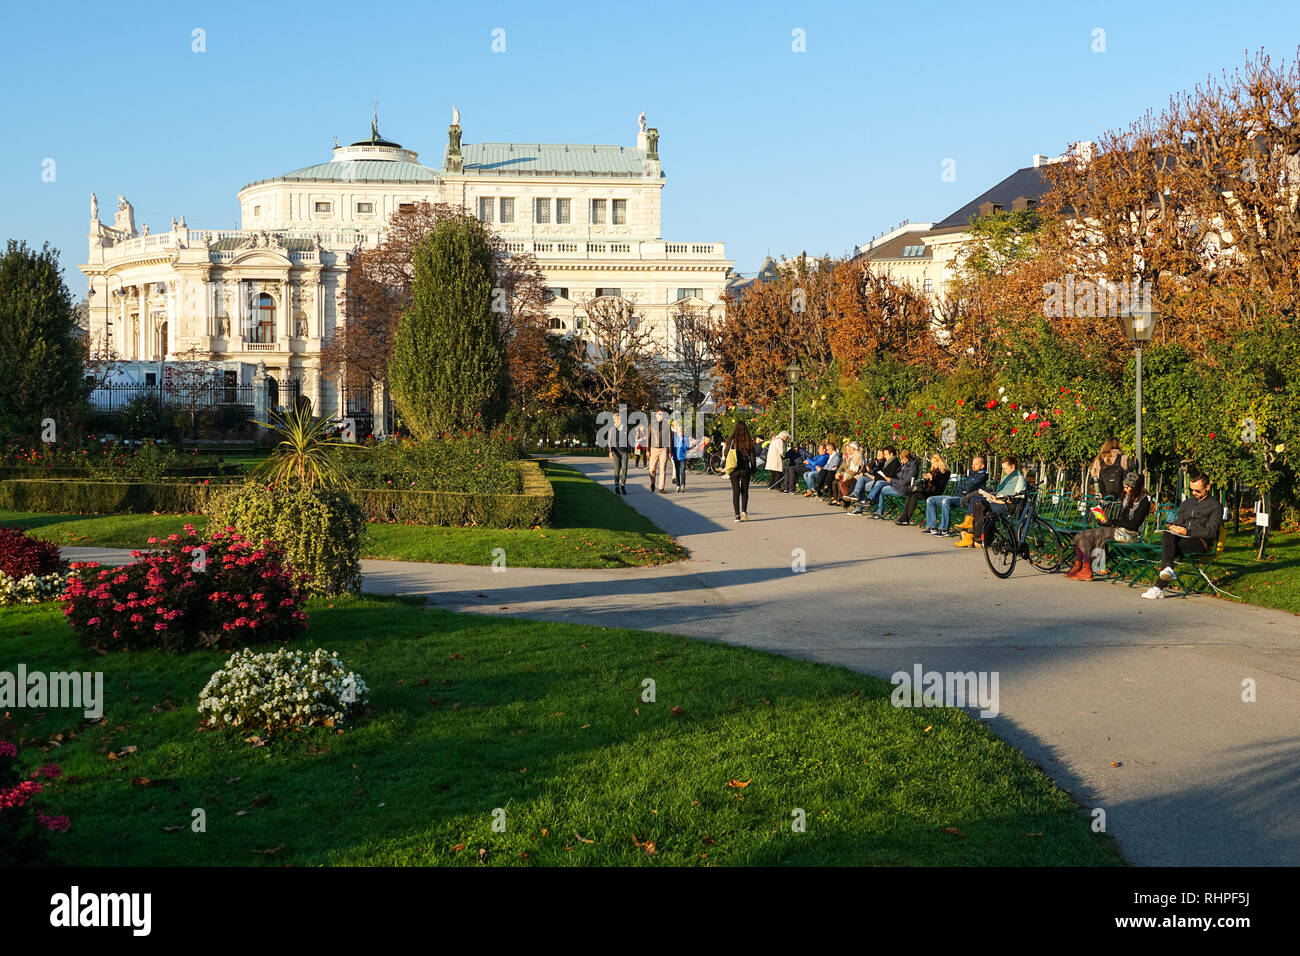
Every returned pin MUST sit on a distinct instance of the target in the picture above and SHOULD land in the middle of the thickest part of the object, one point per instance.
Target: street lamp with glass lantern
(1139, 326)
(792, 376)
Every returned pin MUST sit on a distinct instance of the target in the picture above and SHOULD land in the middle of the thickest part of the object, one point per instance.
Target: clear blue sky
(766, 149)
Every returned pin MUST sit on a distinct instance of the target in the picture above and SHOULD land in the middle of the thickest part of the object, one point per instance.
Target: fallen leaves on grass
(647, 845)
(581, 838)
(740, 784)
(954, 831)
(677, 711)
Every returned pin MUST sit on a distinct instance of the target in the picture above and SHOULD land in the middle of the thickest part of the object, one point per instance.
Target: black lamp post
(792, 376)
(1139, 326)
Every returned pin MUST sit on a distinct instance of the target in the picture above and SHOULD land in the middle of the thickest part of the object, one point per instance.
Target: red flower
(1211, 434)
(991, 404)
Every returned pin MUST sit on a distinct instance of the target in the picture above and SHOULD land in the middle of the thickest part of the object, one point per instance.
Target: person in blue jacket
(680, 447)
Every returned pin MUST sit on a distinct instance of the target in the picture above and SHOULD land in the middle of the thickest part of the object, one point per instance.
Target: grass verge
(544, 726)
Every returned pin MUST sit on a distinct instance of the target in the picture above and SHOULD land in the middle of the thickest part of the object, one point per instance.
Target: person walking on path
(681, 446)
(775, 462)
(660, 444)
(738, 460)
(618, 450)
(642, 445)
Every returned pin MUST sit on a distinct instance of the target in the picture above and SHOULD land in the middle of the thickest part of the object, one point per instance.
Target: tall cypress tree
(42, 357)
(448, 369)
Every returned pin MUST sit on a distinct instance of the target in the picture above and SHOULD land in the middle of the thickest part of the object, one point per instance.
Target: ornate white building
(269, 293)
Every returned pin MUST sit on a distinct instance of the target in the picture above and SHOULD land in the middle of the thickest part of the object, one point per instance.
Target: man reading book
(1194, 530)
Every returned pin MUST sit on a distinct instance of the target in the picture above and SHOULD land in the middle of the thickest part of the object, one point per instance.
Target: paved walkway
(1090, 675)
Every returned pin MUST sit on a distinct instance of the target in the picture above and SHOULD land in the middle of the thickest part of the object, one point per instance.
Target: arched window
(557, 324)
(264, 330)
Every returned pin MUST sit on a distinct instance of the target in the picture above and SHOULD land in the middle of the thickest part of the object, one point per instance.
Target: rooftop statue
(455, 116)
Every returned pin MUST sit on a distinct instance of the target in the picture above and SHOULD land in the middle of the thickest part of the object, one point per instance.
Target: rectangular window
(620, 212)
(507, 209)
(563, 211)
(257, 211)
(598, 212)
(365, 208)
(615, 292)
(406, 207)
(542, 210)
(560, 292)
(322, 207)
(485, 205)
(150, 379)
(689, 293)
(929, 285)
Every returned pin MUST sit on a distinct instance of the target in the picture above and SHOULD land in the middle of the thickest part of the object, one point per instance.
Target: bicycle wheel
(1000, 546)
(1043, 546)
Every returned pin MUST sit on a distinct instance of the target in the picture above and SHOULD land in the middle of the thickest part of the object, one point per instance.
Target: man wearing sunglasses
(1194, 530)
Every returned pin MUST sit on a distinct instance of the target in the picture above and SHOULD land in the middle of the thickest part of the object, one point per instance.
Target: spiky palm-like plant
(303, 454)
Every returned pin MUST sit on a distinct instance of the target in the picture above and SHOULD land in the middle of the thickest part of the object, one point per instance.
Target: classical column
(142, 327)
(286, 304)
(320, 308)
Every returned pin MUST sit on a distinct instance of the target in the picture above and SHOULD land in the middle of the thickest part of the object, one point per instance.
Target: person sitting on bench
(931, 483)
(1132, 514)
(1194, 530)
(938, 510)
(985, 502)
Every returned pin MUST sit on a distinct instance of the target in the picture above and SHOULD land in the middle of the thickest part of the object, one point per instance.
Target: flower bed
(222, 592)
(32, 588)
(282, 689)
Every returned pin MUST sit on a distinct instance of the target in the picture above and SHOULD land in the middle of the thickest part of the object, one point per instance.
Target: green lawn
(1273, 582)
(547, 722)
(593, 529)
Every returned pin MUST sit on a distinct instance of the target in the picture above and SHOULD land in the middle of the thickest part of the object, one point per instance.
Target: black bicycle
(1021, 533)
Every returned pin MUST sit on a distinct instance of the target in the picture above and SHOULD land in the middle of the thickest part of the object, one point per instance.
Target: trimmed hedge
(190, 471)
(59, 496)
(534, 506)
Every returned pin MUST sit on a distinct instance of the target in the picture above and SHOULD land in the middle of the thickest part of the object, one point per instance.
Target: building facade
(259, 301)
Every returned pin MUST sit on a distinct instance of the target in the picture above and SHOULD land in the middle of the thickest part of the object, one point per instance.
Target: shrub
(32, 589)
(319, 530)
(470, 462)
(231, 593)
(282, 689)
(533, 506)
(23, 822)
(21, 556)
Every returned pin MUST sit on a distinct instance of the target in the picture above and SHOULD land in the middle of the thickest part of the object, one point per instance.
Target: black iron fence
(117, 397)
